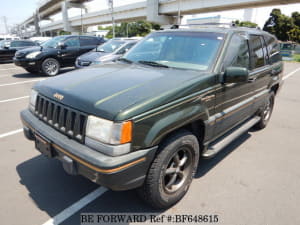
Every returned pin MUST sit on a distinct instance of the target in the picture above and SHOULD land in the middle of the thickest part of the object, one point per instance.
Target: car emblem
(58, 96)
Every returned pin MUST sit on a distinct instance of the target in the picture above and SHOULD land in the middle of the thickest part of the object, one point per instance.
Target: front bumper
(82, 64)
(117, 173)
(27, 63)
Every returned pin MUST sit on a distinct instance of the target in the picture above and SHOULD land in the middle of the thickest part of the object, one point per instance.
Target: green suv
(145, 121)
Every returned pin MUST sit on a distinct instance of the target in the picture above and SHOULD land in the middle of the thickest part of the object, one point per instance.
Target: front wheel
(172, 171)
(50, 67)
(266, 112)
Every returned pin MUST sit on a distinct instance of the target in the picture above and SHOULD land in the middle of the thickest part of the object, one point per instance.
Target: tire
(172, 171)
(29, 70)
(50, 67)
(266, 112)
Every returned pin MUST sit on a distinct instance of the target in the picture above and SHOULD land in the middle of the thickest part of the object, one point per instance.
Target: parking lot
(254, 181)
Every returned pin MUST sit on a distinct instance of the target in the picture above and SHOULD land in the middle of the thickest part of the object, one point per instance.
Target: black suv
(145, 121)
(9, 48)
(60, 51)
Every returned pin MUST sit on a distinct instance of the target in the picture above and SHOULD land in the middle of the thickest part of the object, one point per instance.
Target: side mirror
(6, 47)
(236, 75)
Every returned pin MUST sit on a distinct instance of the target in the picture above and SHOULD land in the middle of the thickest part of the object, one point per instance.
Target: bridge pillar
(65, 5)
(65, 17)
(36, 24)
(153, 14)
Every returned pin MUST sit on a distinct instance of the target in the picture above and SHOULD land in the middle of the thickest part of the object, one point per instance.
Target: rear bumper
(117, 173)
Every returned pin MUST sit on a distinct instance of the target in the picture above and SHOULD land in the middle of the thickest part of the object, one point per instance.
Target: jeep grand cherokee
(145, 121)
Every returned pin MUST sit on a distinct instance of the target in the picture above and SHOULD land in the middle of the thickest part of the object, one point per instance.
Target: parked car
(111, 50)
(8, 48)
(145, 121)
(58, 52)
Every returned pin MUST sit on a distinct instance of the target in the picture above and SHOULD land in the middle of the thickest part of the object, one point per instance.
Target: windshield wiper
(153, 63)
(125, 60)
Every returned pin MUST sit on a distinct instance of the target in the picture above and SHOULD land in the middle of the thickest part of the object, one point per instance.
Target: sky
(17, 11)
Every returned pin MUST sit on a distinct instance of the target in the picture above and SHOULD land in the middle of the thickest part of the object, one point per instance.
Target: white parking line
(66, 213)
(13, 68)
(22, 82)
(10, 75)
(290, 74)
(13, 99)
(10, 133)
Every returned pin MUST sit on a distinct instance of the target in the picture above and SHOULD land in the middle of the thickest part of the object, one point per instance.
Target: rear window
(88, 41)
(273, 49)
(257, 54)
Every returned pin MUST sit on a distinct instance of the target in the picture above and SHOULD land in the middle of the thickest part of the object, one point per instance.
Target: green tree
(245, 24)
(62, 32)
(139, 28)
(294, 34)
(296, 18)
(279, 25)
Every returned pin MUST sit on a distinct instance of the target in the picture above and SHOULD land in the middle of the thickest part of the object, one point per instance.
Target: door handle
(252, 79)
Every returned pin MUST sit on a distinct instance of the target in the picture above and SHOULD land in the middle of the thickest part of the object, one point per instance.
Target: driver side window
(72, 42)
(237, 53)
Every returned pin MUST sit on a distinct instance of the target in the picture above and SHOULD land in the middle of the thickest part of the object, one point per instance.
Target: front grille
(64, 119)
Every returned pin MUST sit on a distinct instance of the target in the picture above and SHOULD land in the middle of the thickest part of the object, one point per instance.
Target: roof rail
(176, 26)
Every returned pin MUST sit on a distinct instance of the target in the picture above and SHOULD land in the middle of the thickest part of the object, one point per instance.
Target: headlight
(32, 100)
(32, 55)
(108, 132)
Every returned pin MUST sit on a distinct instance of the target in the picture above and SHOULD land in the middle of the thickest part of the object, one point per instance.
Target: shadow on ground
(53, 190)
(205, 165)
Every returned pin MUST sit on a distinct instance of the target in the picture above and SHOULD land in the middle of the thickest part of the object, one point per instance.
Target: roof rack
(176, 26)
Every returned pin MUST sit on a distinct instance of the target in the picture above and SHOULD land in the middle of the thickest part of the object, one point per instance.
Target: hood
(92, 56)
(36, 48)
(119, 91)
(30, 49)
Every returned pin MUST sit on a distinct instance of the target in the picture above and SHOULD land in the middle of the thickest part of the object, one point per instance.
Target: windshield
(184, 50)
(52, 43)
(110, 46)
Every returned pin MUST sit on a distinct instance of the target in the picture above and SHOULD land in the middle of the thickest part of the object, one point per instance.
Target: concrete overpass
(159, 11)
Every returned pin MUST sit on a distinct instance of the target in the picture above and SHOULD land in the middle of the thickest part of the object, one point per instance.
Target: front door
(234, 100)
(70, 51)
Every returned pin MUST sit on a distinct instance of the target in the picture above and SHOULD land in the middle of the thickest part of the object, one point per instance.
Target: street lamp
(179, 12)
(111, 4)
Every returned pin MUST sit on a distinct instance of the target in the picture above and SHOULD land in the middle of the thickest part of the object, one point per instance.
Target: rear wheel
(266, 112)
(172, 171)
(50, 67)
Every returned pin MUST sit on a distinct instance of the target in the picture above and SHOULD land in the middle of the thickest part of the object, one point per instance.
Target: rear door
(87, 44)
(69, 54)
(261, 71)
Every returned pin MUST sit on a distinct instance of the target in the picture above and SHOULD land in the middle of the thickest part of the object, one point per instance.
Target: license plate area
(43, 145)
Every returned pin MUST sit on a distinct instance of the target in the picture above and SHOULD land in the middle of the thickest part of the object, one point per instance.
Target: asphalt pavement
(253, 181)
